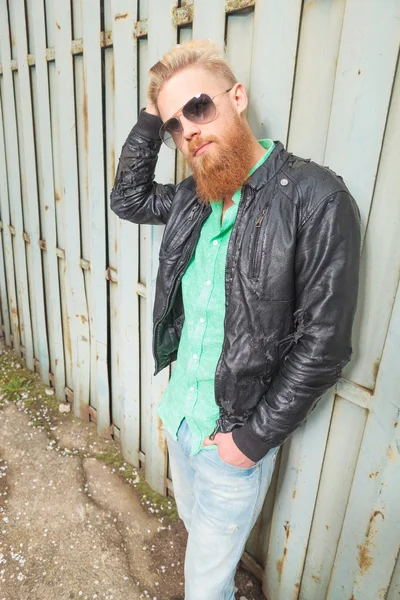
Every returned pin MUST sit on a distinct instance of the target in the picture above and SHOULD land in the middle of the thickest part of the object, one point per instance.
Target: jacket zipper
(185, 261)
(256, 255)
(239, 214)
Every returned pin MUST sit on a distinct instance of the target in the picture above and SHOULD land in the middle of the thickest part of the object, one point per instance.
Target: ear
(240, 99)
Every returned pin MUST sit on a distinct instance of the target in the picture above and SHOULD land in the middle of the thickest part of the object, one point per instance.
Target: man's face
(219, 152)
(182, 87)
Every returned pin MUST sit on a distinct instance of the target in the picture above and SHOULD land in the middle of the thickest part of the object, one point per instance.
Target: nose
(190, 130)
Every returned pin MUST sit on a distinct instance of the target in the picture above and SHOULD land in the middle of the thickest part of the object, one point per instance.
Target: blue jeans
(219, 505)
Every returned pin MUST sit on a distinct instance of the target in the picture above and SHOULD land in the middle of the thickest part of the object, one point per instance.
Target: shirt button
(215, 243)
(284, 182)
(191, 389)
(208, 282)
(201, 320)
(195, 356)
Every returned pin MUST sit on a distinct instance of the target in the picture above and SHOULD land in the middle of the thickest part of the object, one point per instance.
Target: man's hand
(228, 451)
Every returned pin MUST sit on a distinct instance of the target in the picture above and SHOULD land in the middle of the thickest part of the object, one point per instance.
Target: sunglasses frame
(182, 110)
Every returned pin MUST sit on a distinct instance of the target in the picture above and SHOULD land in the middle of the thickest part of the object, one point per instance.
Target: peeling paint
(119, 16)
(365, 560)
(375, 368)
(182, 15)
(234, 5)
(280, 563)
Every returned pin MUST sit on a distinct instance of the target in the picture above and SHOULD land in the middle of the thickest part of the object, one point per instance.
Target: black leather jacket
(291, 283)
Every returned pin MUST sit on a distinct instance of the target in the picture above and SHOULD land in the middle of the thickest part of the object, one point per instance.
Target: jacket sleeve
(135, 196)
(326, 283)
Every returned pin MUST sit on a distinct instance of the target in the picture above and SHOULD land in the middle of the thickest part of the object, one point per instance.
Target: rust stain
(280, 563)
(46, 207)
(120, 16)
(352, 597)
(296, 590)
(365, 560)
(182, 15)
(375, 368)
(56, 361)
(115, 246)
(279, 567)
(364, 557)
(395, 424)
(161, 442)
(57, 196)
(392, 454)
(359, 72)
(375, 514)
(234, 5)
(316, 579)
(286, 527)
(371, 475)
(58, 26)
(294, 494)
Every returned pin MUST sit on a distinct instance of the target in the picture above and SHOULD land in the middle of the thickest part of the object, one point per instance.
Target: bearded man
(255, 299)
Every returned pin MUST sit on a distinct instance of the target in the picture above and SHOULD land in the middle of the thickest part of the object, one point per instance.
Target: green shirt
(190, 392)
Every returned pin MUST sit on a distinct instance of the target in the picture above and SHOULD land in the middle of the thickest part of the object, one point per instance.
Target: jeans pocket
(228, 468)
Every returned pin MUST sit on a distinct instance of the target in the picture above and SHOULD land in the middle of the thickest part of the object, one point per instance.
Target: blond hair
(196, 53)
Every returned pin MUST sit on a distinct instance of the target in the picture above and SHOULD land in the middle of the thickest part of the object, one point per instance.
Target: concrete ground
(76, 522)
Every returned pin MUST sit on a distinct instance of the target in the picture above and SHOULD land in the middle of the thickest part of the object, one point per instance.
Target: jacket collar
(269, 168)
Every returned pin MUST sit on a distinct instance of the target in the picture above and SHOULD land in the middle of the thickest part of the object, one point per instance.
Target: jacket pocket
(257, 245)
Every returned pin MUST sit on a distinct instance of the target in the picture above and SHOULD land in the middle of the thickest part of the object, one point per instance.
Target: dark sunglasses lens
(171, 133)
(200, 109)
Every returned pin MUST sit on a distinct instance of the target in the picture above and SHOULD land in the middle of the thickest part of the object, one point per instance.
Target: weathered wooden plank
(81, 112)
(47, 200)
(162, 36)
(369, 543)
(14, 189)
(209, 21)
(299, 476)
(380, 263)
(363, 85)
(321, 27)
(112, 219)
(125, 69)
(276, 27)
(257, 544)
(8, 297)
(76, 297)
(50, 29)
(32, 225)
(182, 167)
(96, 192)
(345, 435)
(239, 44)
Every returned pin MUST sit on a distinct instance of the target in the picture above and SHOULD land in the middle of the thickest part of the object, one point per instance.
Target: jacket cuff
(148, 125)
(251, 446)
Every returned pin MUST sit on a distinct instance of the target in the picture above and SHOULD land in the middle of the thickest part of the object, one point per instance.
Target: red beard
(224, 167)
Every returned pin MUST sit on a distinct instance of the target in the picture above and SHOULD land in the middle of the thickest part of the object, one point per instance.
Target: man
(256, 295)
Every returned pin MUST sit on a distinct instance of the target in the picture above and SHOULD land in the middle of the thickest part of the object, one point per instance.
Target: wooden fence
(77, 284)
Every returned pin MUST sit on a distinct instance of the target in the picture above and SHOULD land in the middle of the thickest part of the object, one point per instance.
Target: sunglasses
(200, 109)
